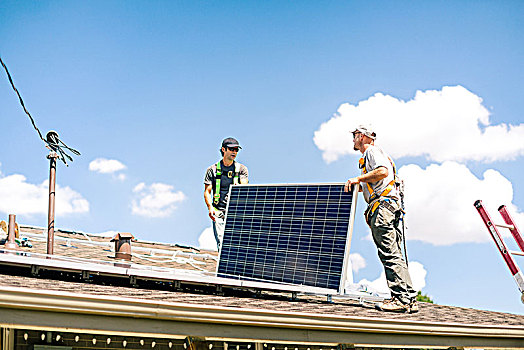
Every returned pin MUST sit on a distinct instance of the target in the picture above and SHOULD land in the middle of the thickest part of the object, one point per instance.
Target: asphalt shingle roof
(157, 254)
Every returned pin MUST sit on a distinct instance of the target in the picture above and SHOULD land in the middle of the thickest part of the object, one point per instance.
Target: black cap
(230, 142)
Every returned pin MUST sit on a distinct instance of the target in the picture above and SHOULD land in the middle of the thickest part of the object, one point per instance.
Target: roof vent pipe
(123, 245)
(11, 243)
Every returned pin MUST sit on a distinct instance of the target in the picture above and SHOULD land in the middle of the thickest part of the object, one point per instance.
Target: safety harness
(375, 201)
(218, 177)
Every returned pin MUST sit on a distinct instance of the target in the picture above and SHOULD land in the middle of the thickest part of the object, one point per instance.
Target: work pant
(218, 226)
(388, 238)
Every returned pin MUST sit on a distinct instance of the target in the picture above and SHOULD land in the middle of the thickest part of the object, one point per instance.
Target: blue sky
(157, 85)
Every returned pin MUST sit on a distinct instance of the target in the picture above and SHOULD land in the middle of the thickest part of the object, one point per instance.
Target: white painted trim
(65, 302)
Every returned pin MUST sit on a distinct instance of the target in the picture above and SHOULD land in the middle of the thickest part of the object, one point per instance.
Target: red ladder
(506, 254)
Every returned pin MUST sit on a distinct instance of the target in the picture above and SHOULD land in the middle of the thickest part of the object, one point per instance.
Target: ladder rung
(511, 227)
(514, 252)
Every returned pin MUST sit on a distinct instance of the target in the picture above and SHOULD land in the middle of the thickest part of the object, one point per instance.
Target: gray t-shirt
(375, 157)
(226, 180)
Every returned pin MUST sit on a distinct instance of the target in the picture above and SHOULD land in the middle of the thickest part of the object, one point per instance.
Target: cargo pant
(388, 238)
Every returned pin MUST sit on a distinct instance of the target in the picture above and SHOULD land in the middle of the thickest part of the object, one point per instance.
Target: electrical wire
(52, 141)
(21, 101)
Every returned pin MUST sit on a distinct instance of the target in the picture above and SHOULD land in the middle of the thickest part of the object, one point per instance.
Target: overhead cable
(52, 141)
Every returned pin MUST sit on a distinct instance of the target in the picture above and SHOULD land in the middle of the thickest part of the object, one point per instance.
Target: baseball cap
(366, 130)
(230, 142)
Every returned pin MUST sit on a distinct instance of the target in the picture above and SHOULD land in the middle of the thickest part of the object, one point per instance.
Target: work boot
(413, 306)
(393, 305)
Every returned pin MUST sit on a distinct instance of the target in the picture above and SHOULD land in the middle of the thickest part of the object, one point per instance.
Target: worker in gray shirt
(219, 177)
(383, 214)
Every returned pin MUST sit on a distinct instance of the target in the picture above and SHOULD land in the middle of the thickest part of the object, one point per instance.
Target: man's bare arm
(373, 176)
(208, 198)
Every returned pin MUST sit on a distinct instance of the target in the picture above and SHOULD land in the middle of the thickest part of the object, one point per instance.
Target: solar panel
(289, 233)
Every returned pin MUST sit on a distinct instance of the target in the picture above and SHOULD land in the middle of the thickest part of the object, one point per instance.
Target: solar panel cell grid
(287, 233)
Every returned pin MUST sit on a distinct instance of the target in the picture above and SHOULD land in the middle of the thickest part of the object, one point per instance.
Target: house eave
(41, 309)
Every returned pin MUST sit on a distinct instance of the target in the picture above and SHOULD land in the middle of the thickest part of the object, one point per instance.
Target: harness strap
(375, 206)
(218, 177)
(389, 187)
(237, 171)
(373, 195)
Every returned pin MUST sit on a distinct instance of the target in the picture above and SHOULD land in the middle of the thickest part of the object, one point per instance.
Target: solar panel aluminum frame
(343, 279)
(126, 269)
(349, 235)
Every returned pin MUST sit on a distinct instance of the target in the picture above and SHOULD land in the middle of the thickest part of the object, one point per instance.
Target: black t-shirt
(228, 174)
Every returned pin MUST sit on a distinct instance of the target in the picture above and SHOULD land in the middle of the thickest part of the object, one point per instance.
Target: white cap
(365, 130)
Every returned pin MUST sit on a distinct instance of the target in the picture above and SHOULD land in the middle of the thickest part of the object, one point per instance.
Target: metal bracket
(35, 270)
(86, 275)
(219, 289)
(177, 285)
(133, 281)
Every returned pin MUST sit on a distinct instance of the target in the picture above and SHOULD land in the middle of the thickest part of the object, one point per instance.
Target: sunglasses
(233, 149)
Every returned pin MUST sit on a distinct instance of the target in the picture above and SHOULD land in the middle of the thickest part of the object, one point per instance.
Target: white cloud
(156, 200)
(106, 234)
(106, 166)
(357, 261)
(207, 240)
(439, 203)
(450, 124)
(140, 187)
(120, 176)
(418, 275)
(20, 197)
(416, 271)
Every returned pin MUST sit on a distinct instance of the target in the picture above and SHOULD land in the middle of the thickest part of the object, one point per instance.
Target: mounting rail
(86, 268)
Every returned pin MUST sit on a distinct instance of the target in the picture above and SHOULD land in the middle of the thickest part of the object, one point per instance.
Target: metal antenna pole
(51, 212)
(55, 145)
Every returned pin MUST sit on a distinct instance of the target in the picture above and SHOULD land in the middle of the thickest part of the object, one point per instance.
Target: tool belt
(380, 201)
